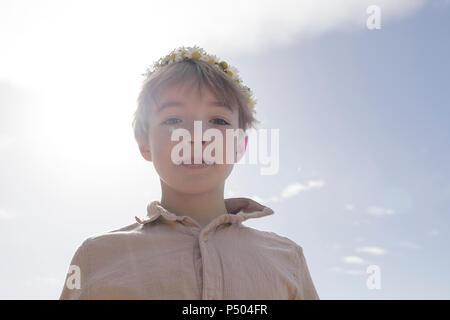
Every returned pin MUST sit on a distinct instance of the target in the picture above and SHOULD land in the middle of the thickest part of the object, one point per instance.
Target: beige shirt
(166, 256)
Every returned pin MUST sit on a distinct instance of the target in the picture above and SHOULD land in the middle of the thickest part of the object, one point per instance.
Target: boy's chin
(191, 183)
(195, 188)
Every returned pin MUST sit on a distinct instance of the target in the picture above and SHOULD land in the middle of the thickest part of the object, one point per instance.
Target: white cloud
(136, 33)
(349, 207)
(379, 211)
(353, 260)
(372, 250)
(291, 190)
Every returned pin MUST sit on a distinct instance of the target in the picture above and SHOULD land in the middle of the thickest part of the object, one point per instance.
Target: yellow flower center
(230, 73)
(223, 64)
(195, 55)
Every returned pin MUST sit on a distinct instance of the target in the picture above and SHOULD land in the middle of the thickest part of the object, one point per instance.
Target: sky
(362, 116)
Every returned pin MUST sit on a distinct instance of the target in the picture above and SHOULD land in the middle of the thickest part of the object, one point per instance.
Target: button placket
(207, 292)
(212, 277)
(205, 280)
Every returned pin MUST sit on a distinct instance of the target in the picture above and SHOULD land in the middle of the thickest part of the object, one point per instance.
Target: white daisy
(204, 56)
(189, 51)
(214, 57)
(235, 72)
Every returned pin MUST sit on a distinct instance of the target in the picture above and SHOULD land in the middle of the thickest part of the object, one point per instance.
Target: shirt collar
(239, 209)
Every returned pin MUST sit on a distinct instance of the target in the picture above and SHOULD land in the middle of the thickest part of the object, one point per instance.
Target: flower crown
(195, 52)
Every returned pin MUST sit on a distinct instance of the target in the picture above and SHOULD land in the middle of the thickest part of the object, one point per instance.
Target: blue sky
(362, 115)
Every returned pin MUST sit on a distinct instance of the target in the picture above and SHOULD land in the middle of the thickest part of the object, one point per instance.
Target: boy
(192, 243)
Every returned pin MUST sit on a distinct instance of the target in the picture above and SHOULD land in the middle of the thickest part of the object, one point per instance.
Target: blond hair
(203, 74)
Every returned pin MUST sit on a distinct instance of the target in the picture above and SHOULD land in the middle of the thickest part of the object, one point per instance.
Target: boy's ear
(241, 149)
(145, 151)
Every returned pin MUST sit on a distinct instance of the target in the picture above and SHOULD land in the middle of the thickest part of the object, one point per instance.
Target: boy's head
(175, 96)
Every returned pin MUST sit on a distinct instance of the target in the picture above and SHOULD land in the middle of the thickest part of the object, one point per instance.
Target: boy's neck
(202, 207)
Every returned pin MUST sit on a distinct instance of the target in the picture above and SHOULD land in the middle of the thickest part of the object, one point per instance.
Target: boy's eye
(221, 121)
(217, 121)
(168, 121)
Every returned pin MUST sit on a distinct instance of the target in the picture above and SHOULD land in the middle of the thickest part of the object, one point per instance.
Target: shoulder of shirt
(131, 229)
(275, 237)
(135, 229)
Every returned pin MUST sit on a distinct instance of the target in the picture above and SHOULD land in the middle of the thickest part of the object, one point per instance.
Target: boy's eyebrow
(180, 104)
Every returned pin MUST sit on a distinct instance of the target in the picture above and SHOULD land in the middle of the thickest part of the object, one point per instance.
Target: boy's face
(188, 107)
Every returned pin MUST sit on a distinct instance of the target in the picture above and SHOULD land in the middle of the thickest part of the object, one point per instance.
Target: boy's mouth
(194, 165)
(198, 162)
